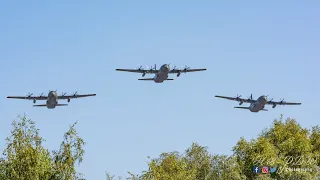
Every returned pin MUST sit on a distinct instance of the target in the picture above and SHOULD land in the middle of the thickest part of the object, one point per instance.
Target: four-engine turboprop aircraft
(257, 105)
(52, 98)
(161, 74)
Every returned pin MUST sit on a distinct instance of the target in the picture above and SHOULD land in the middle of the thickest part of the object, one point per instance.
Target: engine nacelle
(69, 99)
(178, 74)
(34, 100)
(143, 74)
(274, 105)
(240, 103)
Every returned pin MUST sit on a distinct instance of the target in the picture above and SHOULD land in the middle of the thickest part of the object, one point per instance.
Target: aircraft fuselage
(52, 100)
(258, 105)
(162, 75)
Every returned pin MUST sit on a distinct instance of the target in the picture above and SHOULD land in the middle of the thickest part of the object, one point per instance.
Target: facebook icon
(256, 169)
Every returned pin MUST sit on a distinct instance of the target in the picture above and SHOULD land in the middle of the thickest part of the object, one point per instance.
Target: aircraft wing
(185, 70)
(29, 97)
(75, 96)
(144, 71)
(237, 99)
(282, 103)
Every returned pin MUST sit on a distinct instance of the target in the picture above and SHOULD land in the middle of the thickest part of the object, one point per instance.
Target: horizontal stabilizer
(61, 104)
(242, 107)
(146, 79)
(248, 108)
(151, 79)
(40, 105)
(44, 105)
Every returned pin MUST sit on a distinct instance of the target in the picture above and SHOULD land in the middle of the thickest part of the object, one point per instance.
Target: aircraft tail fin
(40, 105)
(146, 79)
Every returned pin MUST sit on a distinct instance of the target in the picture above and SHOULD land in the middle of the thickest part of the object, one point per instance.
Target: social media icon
(273, 169)
(265, 170)
(256, 169)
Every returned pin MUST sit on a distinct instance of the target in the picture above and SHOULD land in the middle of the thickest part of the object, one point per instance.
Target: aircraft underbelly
(51, 103)
(50, 106)
(160, 77)
(256, 107)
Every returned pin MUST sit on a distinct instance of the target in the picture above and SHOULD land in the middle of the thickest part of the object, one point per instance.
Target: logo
(256, 169)
(265, 170)
(273, 169)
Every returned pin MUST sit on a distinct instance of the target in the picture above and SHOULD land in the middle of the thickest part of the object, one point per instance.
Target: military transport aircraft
(52, 98)
(161, 74)
(257, 105)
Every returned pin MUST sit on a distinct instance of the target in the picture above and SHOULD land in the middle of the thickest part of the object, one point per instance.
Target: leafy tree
(224, 167)
(195, 163)
(24, 157)
(315, 141)
(285, 145)
(71, 152)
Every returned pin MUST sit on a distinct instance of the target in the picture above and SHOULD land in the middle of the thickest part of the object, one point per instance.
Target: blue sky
(269, 48)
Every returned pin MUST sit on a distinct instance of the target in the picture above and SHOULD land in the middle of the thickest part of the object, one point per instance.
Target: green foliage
(195, 163)
(24, 157)
(315, 141)
(285, 145)
(224, 167)
(170, 166)
(71, 151)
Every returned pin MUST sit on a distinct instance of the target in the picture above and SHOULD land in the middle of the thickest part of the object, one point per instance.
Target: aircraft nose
(265, 98)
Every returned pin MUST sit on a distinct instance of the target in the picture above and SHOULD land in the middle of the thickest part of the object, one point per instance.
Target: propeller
(63, 94)
(153, 68)
(41, 95)
(186, 68)
(140, 68)
(270, 100)
(281, 101)
(250, 98)
(273, 103)
(74, 94)
(238, 99)
(238, 96)
(174, 68)
(29, 95)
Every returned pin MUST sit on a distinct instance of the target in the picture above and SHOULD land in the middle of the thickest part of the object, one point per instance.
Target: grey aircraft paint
(51, 99)
(259, 104)
(162, 75)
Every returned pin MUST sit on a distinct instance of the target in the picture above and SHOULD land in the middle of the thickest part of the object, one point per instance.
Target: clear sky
(269, 48)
